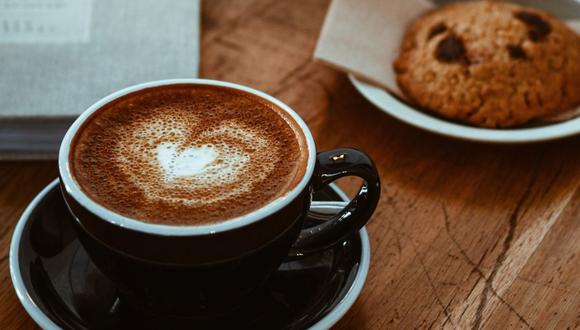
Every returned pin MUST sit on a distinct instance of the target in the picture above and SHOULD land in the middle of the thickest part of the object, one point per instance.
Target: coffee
(188, 154)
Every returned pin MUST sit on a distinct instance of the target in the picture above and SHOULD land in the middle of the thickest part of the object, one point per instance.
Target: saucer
(60, 287)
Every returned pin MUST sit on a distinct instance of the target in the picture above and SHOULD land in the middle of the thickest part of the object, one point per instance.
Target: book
(57, 57)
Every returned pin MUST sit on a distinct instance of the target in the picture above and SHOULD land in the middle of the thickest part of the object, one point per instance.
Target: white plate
(391, 105)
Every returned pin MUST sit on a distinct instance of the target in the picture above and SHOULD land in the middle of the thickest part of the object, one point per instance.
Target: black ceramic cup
(208, 270)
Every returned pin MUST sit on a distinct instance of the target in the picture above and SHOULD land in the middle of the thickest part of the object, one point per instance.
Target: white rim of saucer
(46, 323)
(115, 218)
(29, 305)
(355, 289)
(391, 105)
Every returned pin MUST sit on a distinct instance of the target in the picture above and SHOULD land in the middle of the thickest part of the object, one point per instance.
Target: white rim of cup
(74, 190)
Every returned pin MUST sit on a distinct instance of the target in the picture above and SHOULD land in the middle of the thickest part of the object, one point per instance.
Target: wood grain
(466, 235)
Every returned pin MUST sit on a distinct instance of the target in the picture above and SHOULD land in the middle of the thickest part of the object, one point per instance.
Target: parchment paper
(364, 37)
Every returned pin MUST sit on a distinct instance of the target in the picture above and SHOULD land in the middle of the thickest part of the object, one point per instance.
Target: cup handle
(330, 166)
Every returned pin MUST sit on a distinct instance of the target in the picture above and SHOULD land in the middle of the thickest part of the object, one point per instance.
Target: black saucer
(61, 288)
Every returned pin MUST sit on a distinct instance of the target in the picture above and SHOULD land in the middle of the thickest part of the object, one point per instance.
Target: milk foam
(189, 162)
(177, 168)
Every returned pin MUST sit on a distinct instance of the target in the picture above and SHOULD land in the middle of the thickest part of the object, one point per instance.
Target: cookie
(490, 64)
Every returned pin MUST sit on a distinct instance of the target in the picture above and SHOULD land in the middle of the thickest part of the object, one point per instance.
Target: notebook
(57, 57)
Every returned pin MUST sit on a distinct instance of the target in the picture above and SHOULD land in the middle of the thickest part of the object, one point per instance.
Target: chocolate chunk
(516, 52)
(451, 49)
(437, 29)
(537, 35)
(538, 29)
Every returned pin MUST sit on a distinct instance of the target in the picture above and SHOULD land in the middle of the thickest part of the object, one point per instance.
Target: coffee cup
(175, 255)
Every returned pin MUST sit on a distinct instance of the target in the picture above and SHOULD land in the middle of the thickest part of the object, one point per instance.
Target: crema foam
(188, 154)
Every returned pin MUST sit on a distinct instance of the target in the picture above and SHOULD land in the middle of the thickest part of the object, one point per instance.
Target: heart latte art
(188, 155)
(173, 167)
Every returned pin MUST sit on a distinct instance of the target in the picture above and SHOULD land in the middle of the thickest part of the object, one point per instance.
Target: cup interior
(73, 188)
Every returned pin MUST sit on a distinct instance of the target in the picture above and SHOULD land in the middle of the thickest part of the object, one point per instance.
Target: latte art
(187, 163)
(188, 155)
(174, 167)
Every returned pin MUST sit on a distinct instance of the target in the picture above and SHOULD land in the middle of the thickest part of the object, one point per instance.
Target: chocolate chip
(437, 29)
(450, 49)
(516, 52)
(537, 35)
(538, 29)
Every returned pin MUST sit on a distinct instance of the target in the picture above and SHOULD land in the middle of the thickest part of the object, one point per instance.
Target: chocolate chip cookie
(490, 64)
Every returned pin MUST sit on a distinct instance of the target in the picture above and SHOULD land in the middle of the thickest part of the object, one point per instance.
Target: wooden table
(466, 235)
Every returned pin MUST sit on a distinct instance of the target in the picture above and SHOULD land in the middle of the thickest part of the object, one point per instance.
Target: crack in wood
(478, 265)
(417, 242)
(464, 310)
(452, 256)
(474, 284)
(478, 270)
(433, 322)
(513, 222)
(448, 318)
(434, 289)
(545, 285)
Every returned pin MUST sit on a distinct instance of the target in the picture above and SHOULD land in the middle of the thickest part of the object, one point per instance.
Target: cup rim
(73, 189)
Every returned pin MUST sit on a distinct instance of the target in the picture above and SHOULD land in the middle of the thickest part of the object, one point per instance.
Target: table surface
(466, 235)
